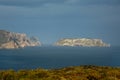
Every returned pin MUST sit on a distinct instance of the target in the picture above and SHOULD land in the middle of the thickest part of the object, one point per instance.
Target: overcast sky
(51, 20)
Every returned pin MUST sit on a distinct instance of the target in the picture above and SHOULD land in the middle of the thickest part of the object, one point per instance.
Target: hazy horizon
(51, 20)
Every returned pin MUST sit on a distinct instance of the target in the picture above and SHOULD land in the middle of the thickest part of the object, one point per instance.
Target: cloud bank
(36, 3)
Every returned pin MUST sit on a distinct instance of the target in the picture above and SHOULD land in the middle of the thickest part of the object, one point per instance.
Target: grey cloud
(27, 3)
(57, 10)
(35, 3)
(93, 2)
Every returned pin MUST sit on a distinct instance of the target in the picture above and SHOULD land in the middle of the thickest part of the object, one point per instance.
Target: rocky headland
(11, 40)
(85, 42)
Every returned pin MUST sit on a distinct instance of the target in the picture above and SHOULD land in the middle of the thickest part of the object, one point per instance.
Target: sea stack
(11, 40)
(85, 42)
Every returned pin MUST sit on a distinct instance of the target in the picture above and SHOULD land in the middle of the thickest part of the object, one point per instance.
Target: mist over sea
(57, 57)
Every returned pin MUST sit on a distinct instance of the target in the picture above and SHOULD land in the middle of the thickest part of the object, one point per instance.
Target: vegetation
(70, 73)
(3, 36)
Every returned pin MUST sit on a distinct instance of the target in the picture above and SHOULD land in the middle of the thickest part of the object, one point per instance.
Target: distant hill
(81, 42)
(11, 40)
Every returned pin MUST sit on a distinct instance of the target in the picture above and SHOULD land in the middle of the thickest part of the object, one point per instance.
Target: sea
(51, 57)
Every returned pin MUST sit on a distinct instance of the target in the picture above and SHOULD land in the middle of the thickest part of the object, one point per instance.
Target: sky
(51, 20)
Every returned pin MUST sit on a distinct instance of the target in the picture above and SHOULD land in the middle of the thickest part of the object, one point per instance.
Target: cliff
(82, 42)
(11, 40)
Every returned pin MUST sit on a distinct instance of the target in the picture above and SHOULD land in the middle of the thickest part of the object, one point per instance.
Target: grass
(87, 72)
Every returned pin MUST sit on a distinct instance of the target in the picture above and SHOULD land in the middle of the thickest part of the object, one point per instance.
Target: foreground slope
(11, 40)
(69, 73)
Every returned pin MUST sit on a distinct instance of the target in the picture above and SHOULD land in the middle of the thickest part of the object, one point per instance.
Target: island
(12, 40)
(85, 42)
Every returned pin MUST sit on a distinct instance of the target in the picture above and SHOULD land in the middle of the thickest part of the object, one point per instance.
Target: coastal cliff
(81, 42)
(11, 40)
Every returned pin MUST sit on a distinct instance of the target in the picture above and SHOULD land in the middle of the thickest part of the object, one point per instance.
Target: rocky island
(11, 40)
(85, 42)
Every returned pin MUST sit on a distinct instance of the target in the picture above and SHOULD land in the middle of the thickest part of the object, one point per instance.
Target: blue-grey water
(57, 57)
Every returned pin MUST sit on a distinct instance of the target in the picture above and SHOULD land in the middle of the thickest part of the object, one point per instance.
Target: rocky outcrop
(11, 40)
(82, 42)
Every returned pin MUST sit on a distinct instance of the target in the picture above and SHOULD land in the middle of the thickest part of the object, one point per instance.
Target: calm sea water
(57, 57)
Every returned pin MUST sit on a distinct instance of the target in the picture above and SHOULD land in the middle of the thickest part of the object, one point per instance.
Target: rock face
(82, 42)
(11, 40)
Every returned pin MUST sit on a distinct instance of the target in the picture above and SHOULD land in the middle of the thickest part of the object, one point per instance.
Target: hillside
(87, 72)
(11, 40)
